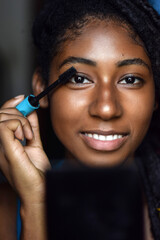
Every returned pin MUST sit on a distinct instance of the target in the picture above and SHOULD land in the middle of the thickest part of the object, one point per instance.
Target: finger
(13, 111)
(27, 130)
(13, 102)
(9, 107)
(36, 140)
(11, 147)
(7, 136)
(15, 156)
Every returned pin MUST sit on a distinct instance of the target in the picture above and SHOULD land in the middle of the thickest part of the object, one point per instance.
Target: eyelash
(130, 80)
(79, 77)
(133, 81)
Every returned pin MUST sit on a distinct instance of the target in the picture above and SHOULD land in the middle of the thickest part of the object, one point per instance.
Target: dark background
(17, 53)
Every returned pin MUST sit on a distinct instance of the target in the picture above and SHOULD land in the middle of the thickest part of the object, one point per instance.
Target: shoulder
(8, 212)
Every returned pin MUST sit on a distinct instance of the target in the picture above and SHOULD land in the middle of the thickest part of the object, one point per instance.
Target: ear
(38, 85)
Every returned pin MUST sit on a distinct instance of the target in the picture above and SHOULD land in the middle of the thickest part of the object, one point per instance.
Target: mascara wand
(31, 102)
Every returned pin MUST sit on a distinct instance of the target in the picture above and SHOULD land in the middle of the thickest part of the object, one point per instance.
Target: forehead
(102, 39)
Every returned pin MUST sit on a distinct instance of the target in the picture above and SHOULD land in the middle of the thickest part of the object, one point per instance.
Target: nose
(105, 103)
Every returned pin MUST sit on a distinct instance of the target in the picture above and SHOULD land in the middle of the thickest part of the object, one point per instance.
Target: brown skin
(104, 102)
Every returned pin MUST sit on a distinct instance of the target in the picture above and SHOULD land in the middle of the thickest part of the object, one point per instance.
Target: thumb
(12, 102)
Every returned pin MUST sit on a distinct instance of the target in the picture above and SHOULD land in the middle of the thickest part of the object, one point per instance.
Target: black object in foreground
(94, 204)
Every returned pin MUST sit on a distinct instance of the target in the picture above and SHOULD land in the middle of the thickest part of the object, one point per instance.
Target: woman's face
(103, 113)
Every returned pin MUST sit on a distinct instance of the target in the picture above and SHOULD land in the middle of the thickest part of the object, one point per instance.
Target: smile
(104, 137)
(104, 142)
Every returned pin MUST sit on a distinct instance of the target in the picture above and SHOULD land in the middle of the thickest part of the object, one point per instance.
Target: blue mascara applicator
(31, 102)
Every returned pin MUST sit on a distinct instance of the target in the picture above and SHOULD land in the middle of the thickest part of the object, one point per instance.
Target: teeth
(103, 137)
(89, 135)
(110, 137)
(95, 136)
(115, 136)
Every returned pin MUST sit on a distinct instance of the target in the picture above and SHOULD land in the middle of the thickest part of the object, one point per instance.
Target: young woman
(101, 116)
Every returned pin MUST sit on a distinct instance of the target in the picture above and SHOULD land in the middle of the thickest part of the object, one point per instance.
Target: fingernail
(19, 96)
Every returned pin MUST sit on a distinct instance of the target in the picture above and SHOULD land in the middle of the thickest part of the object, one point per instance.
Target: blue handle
(25, 107)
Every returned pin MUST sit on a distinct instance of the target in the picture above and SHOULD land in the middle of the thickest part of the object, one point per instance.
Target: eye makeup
(31, 102)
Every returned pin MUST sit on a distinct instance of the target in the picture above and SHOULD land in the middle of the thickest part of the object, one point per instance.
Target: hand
(23, 166)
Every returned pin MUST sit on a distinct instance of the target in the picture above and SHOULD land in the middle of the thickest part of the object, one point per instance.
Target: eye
(132, 80)
(78, 79)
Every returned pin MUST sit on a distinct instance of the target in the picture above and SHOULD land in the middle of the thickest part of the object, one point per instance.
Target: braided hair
(61, 20)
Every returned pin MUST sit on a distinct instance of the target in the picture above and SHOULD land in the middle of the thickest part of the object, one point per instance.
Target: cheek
(141, 110)
(67, 111)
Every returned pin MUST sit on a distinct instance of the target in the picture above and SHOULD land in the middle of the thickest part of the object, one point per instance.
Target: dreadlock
(61, 20)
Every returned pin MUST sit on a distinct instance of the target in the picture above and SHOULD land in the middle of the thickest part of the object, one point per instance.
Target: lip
(111, 140)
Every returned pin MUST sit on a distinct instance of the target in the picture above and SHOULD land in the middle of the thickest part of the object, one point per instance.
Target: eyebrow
(78, 60)
(134, 61)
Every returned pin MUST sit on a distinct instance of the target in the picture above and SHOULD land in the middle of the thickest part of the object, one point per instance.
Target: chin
(100, 161)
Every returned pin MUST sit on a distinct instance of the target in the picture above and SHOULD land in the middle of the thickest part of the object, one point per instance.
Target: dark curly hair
(61, 20)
